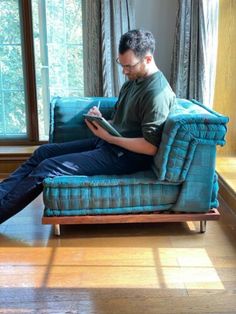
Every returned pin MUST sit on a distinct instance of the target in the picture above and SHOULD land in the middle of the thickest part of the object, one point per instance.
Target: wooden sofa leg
(203, 226)
(57, 230)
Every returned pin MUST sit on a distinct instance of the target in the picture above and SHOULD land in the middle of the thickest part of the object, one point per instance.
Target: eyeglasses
(128, 66)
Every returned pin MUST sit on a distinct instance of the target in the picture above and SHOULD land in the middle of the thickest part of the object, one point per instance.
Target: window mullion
(44, 61)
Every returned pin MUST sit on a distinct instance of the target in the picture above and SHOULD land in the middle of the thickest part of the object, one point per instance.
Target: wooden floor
(123, 269)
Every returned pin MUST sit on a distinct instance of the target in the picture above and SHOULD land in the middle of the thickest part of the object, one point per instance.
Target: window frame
(26, 22)
(27, 47)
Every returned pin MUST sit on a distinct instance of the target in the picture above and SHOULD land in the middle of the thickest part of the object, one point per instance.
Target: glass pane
(12, 96)
(15, 122)
(58, 53)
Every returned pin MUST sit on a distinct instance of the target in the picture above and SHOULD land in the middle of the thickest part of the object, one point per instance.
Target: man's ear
(148, 58)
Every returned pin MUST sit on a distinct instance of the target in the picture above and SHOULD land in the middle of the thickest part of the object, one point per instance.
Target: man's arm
(136, 145)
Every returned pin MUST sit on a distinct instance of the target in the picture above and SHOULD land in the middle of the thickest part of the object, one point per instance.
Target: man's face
(133, 67)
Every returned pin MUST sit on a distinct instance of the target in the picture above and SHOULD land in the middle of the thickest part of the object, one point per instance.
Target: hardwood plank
(103, 302)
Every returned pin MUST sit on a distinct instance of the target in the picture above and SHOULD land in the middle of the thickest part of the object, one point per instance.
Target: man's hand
(98, 130)
(94, 111)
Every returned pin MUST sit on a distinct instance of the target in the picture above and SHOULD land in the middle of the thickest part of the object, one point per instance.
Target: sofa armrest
(66, 116)
(188, 125)
(187, 154)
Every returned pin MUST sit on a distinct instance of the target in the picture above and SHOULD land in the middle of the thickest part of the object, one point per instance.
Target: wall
(159, 16)
(225, 87)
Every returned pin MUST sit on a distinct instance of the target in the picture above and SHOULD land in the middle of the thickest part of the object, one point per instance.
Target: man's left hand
(98, 130)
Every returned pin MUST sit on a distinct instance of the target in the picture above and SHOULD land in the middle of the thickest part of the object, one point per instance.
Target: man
(142, 107)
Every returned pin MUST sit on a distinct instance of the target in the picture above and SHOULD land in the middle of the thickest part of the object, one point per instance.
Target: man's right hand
(94, 111)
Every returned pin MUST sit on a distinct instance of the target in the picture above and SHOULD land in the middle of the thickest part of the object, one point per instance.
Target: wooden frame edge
(132, 218)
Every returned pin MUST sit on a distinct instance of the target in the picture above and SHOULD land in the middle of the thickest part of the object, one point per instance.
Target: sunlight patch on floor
(108, 267)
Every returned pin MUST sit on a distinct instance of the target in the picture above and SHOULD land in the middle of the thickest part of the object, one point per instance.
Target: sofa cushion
(66, 116)
(189, 123)
(94, 195)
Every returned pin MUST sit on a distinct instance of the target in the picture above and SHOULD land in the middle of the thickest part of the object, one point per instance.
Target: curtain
(195, 50)
(104, 22)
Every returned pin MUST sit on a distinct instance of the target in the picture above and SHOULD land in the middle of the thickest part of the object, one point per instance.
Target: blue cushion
(82, 195)
(188, 124)
(66, 116)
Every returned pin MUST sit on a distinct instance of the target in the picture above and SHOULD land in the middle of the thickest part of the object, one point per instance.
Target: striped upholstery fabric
(188, 125)
(66, 116)
(182, 179)
(199, 190)
(82, 195)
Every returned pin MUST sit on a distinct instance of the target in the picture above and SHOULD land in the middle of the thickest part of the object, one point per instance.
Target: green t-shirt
(143, 106)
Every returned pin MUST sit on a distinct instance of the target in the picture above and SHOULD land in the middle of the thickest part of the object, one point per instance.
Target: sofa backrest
(66, 116)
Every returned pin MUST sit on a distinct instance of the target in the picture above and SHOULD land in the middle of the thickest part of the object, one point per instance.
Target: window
(57, 30)
(12, 95)
(41, 56)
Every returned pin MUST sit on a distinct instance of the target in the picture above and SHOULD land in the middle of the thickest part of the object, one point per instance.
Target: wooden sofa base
(213, 214)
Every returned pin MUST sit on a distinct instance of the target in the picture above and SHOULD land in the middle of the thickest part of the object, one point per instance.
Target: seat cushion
(94, 195)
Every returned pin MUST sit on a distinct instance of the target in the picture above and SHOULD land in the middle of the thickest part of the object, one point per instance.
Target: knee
(42, 152)
(45, 168)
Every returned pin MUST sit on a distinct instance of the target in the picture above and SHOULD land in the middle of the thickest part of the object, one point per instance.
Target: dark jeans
(82, 157)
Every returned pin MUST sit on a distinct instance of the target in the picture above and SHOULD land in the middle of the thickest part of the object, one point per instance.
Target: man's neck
(152, 69)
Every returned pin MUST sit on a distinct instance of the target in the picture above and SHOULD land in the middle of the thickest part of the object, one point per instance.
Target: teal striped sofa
(182, 184)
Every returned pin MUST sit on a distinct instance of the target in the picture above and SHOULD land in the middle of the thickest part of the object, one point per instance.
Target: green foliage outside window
(58, 49)
(12, 99)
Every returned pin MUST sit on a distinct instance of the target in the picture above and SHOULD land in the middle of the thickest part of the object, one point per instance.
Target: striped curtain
(195, 50)
(104, 22)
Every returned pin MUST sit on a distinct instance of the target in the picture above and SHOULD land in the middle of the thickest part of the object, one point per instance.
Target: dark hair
(137, 40)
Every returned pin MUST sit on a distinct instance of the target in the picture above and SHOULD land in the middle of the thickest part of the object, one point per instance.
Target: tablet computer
(103, 123)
